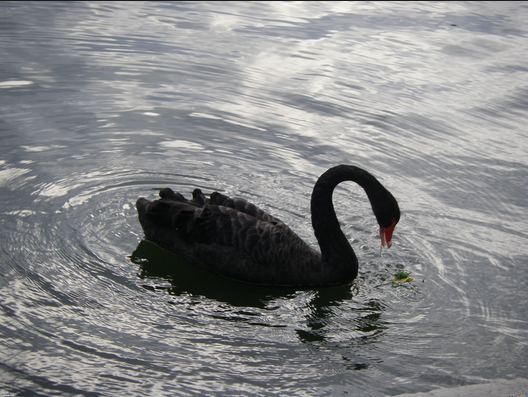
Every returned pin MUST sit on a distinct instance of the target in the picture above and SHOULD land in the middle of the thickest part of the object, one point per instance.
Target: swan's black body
(235, 239)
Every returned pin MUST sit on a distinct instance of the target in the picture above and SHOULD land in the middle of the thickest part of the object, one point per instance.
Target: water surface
(101, 103)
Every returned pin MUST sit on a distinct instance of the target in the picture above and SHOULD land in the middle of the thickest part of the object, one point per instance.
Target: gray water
(101, 103)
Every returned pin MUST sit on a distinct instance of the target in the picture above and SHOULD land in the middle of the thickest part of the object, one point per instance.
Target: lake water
(101, 103)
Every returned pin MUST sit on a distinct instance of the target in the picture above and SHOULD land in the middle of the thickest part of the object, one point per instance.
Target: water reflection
(185, 278)
(317, 310)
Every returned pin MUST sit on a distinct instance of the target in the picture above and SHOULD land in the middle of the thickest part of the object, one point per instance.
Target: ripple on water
(82, 295)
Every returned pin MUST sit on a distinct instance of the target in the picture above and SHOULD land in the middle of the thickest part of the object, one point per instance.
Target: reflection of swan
(235, 239)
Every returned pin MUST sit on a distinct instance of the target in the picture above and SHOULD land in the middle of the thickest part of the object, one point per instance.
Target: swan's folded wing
(225, 226)
(242, 206)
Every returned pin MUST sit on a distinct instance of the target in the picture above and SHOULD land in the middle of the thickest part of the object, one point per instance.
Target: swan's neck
(336, 253)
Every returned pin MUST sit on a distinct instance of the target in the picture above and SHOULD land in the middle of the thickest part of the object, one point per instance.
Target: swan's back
(231, 237)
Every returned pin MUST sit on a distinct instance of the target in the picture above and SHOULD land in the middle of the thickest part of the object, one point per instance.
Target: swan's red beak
(386, 234)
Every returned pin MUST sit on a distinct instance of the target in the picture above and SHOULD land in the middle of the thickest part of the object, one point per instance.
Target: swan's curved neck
(336, 252)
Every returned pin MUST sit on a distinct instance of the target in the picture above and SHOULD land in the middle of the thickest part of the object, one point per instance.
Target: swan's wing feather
(163, 210)
(198, 198)
(225, 226)
(242, 206)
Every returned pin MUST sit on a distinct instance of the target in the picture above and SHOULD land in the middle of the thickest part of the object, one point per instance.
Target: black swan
(237, 240)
